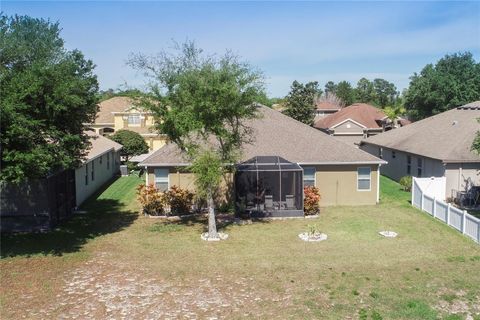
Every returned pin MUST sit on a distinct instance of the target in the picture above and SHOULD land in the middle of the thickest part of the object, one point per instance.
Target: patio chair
(268, 202)
(290, 201)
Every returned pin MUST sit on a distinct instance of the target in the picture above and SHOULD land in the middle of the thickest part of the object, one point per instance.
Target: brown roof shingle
(115, 104)
(447, 136)
(362, 113)
(277, 134)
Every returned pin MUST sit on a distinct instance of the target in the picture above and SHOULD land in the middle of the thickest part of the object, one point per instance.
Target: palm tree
(393, 113)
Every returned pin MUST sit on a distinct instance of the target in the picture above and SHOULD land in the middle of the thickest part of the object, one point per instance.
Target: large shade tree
(132, 142)
(201, 103)
(300, 101)
(453, 81)
(47, 93)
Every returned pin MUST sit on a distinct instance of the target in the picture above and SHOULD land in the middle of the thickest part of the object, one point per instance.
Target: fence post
(413, 191)
(464, 219)
(421, 199)
(434, 207)
(448, 210)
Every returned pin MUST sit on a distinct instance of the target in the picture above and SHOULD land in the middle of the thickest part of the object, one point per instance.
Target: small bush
(313, 230)
(311, 202)
(180, 200)
(406, 183)
(132, 166)
(152, 201)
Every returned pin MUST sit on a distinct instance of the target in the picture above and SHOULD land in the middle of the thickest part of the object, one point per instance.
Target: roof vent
(454, 123)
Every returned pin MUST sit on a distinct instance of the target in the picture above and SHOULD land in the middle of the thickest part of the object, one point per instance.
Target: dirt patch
(100, 289)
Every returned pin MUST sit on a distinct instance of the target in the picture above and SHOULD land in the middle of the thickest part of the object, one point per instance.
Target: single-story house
(121, 113)
(101, 164)
(344, 174)
(438, 146)
(356, 122)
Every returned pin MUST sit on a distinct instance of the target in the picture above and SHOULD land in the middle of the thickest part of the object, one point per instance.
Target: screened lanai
(269, 186)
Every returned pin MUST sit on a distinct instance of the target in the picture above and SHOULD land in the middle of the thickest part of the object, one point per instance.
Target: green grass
(356, 273)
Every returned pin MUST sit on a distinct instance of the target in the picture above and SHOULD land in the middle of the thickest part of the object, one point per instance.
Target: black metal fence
(37, 205)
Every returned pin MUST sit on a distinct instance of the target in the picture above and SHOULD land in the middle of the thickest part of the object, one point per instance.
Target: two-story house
(121, 113)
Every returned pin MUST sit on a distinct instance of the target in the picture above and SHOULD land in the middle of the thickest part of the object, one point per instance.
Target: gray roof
(100, 145)
(276, 134)
(447, 136)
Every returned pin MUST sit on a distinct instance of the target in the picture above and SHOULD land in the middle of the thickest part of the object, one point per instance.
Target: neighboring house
(345, 175)
(325, 108)
(40, 204)
(438, 146)
(101, 164)
(356, 122)
(121, 113)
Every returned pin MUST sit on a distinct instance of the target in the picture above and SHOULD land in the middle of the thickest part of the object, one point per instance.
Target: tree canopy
(132, 142)
(200, 102)
(453, 81)
(300, 101)
(47, 93)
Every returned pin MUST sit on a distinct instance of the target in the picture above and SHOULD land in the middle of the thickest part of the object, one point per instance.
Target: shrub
(311, 202)
(406, 183)
(152, 201)
(313, 230)
(180, 200)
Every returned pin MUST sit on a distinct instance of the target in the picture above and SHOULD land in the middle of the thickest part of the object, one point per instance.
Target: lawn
(113, 263)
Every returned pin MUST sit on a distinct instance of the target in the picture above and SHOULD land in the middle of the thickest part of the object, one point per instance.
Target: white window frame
(134, 119)
(369, 178)
(394, 154)
(161, 179)
(309, 179)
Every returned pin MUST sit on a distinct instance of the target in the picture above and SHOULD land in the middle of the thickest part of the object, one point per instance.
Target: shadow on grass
(104, 216)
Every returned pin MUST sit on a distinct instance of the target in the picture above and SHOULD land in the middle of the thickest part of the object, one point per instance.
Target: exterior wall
(155, 143)
(102, 175)
(461, 176)
(397, 167)
(348, 127)
(337, 184)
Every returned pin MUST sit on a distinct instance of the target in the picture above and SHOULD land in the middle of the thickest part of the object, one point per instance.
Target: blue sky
(288, 41)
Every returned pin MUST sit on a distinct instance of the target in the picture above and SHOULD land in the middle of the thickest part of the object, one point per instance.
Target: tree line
(452, 81)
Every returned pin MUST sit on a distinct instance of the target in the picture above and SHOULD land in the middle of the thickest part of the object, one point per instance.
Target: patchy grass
(262, 271)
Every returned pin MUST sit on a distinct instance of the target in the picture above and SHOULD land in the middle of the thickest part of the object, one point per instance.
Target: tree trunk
(212, 226)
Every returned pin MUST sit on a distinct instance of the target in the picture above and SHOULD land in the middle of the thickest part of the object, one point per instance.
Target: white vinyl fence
(454, 217)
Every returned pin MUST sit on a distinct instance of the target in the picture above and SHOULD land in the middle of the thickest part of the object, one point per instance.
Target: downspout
(378, 183)
(146, 176)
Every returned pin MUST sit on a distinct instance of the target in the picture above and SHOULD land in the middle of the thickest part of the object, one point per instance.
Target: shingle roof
(326, 105)
(115, 104)
(447, 136)
(100, 145)
(362, 113)
(276, 134)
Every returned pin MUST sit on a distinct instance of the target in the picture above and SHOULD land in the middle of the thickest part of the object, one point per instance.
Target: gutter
(300, 163)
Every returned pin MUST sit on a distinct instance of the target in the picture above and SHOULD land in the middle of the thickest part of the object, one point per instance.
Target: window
(380, 153)
(363, 178)
(134, 118)
(93, 170)
(419, 167)
(108, 160)
(309, 176)
(394, 155)
(409, 165)
(86, 174)
(161, 179)
(101, 159)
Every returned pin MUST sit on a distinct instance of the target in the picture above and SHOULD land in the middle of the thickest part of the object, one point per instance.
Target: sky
(303, 41)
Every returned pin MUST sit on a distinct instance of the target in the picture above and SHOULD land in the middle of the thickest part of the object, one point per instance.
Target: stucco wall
(461, 176)
(101, 176)
(337, 184)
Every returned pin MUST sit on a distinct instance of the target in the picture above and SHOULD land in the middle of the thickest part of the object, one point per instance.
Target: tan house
(101, 164)
(438, 146)
(121, 113)
(356, 122)
(345, 175)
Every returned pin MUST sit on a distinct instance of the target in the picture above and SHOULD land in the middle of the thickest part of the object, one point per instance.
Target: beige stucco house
(356, 122)
(121, 113)
(344, 174)
(101, 164)
(438, 146)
